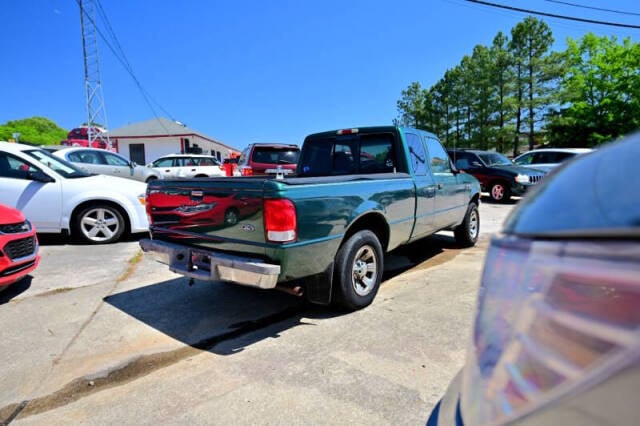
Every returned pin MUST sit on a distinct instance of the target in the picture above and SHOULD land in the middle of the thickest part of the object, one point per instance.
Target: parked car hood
(10, 215)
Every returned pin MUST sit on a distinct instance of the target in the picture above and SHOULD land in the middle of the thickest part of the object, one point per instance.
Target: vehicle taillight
(246, 171)
(280, 221)
(553, 318)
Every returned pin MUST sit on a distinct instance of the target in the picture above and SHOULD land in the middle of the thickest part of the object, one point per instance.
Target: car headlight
(553, 317)
(522, 178)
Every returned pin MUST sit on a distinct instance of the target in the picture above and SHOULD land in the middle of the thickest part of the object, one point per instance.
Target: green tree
(412, 107)
(35, 130)
(531, 42)
(503, 82)
(600, 92)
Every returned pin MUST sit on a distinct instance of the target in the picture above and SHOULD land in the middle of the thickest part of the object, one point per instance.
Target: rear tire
(358, 270)
(99, 224)
(467, 232)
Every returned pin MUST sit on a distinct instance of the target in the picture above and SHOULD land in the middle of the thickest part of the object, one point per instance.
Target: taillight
(553, 318)
(347, 131)
(280, 221)
(246, 171)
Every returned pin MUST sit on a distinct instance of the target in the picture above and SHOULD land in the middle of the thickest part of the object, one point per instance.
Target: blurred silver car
(556, 335)
(548, 158)
(100, 161)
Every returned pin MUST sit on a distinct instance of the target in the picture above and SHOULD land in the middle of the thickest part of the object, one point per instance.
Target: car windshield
(56, 164)
(275, 155)
(495, 159)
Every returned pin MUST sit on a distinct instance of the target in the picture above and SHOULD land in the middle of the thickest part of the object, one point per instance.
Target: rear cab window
(328, 154)
(274, 155)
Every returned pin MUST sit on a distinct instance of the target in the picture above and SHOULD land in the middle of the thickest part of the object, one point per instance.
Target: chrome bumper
(211, 266)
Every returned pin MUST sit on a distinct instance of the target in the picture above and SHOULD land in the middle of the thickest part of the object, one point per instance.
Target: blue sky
(257, 71)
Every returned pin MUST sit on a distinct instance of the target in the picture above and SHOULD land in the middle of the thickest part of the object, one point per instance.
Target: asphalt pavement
(94, 326)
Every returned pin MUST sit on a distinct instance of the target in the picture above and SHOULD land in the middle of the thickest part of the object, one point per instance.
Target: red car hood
(10, 215)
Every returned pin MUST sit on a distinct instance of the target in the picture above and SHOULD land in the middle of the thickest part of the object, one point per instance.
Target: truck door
(449, 193)
(425, 187)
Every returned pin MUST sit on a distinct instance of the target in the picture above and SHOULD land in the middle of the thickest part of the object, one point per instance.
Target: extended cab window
(438, 158)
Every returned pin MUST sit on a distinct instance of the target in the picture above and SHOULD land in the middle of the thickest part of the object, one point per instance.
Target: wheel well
(200, 175)
(79, 207)
(150, 178)
(475, 199)
(373, 222)
(502, 181)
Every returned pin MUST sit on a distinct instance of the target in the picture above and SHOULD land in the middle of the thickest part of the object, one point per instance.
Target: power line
(124, 62)
(553, 15)
(622, 12)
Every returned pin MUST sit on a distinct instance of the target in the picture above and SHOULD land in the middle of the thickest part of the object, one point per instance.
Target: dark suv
(498, 175)
(266, 158)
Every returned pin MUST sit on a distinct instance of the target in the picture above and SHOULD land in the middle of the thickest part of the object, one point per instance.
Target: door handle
(439, 186)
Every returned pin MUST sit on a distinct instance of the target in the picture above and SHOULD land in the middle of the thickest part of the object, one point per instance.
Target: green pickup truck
(322, 232)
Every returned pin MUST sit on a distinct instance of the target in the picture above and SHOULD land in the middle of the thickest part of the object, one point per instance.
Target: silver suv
(188, 166)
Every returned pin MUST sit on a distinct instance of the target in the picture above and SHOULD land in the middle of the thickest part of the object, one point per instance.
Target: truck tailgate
(223, 214)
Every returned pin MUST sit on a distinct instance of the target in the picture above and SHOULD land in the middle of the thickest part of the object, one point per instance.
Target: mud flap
(318, 287)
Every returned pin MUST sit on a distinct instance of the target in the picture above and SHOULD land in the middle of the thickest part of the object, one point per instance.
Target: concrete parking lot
(106, 335)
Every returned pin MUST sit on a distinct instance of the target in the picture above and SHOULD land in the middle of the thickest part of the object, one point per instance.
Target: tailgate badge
(248, 228)
(197, 193)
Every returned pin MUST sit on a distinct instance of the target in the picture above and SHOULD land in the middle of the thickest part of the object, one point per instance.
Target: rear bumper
(213, 266)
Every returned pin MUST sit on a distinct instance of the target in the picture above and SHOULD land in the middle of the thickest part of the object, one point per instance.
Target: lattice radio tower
(96, 112)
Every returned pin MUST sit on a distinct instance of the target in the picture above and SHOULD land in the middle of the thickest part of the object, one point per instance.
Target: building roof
(159, 127)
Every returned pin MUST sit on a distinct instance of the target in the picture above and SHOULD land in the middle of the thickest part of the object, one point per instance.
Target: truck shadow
(225, 318)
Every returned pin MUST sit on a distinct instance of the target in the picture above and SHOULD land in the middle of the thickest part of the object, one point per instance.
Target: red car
(18, 246)
(261, 159)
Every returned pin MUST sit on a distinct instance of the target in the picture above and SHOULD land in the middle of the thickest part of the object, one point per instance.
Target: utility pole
(96, 112)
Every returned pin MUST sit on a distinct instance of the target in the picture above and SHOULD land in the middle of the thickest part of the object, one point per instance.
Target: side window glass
(438, 158)
(525, 159)
(12, 167)
(417, 154)
(75, 157)
(114, 160)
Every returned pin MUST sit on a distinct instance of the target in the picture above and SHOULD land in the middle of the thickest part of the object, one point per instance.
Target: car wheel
(151, 179)
(467, 232)
(500, 192)
(359, 267)
(99, 224)
(231, 217)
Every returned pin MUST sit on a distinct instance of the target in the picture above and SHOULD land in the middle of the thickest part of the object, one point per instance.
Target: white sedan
(57, 197)
(100, 161)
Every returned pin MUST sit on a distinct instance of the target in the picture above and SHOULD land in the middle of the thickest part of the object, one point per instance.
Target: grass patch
(137, 258)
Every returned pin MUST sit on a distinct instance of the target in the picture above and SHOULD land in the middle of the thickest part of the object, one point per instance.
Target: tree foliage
(517, 93)
(35, 130)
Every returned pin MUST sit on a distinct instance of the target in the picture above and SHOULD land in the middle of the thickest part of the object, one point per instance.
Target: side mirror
(476, 164)
(132, 164)
(40, 176)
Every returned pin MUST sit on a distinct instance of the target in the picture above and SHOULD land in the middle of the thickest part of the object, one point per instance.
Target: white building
(145, 141)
